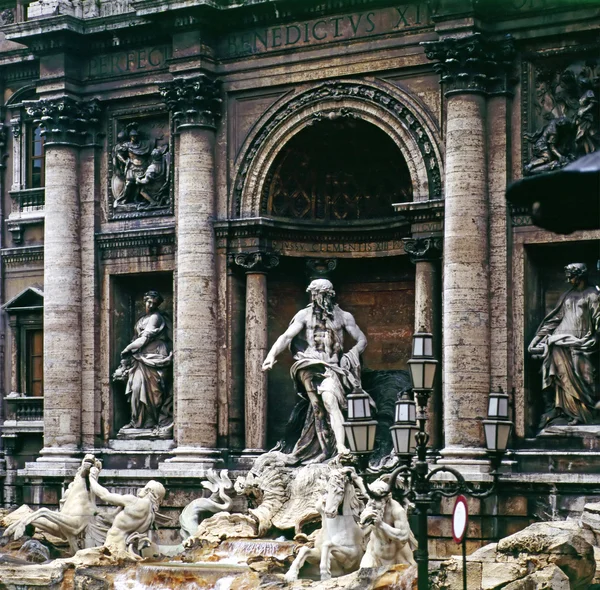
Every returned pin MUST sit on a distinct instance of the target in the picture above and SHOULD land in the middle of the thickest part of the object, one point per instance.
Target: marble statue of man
(323, 373)
(146, 367)
(137, 516)
(567, 341)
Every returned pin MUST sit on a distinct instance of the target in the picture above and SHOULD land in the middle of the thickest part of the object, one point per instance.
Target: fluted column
(256, 264)
(66, 125)
(195, 107)
(425, 254)
(470, 68)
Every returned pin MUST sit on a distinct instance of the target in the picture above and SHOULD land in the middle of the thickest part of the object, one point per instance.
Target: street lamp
(409, 435)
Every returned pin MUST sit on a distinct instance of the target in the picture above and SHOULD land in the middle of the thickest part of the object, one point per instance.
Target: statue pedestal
(191, 461)
(145, 433)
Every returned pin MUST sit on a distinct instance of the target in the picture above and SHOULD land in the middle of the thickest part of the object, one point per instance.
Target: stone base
(191, 461)
(469, 461)
(54, 462)
(145, 433)
(245, 459)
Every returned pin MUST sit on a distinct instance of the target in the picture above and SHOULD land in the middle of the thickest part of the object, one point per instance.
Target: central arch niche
(337, 170)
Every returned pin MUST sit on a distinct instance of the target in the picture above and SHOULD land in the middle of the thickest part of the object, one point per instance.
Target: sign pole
(460, 519)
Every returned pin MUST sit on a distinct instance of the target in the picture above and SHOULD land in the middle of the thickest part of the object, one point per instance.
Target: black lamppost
(409, 435)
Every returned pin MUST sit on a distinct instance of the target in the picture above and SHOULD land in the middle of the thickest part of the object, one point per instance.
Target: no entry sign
(460, 518)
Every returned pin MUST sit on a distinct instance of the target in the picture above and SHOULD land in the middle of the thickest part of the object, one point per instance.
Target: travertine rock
(516, 561)
(550, 578)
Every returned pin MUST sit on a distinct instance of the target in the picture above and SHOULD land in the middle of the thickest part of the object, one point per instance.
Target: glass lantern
(498, 406)
(360, 428)
(422, 365)
(497, 433)
(404, 429)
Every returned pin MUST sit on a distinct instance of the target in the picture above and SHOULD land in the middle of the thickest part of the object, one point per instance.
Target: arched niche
(337, 170)
(393, 111)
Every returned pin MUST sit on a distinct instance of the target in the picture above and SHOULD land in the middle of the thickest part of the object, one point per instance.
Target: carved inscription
(326, 29)
(128, 62)
(345, 248)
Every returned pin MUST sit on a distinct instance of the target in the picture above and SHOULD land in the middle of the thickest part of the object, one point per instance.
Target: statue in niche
(567, 341)
(140, 174)
(146, 368)
(566, 114)
(322, 373)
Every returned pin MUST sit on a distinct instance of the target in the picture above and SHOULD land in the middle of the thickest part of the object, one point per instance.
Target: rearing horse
(339, 543)
(77, 512)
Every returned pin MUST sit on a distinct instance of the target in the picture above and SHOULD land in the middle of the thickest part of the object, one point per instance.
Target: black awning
(562, 201)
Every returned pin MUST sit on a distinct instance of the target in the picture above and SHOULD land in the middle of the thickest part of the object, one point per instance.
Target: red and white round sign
(460, 517)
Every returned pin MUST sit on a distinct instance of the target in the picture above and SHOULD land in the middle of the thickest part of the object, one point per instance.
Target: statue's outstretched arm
(102, 493)
(296, 326)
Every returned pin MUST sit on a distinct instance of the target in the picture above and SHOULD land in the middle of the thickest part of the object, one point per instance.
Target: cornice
(22, 256)
(152, 241)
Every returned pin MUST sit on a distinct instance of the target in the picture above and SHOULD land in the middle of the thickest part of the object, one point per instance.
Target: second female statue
(146, 367)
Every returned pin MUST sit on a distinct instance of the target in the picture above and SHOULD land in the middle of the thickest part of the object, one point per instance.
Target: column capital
(423, 249)
(256, 262)
(66, 121)
(320, 268)
(193, 102)
(473, 64)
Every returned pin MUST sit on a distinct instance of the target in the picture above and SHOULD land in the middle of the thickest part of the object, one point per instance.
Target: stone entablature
(357, 240)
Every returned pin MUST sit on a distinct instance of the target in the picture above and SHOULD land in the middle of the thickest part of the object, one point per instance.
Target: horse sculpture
(391, 541)
(76, 516)
(339, 544)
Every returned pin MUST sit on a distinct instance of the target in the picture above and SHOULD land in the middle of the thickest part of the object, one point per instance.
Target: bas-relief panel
(380, 296)
(560, 115)
(140, 163)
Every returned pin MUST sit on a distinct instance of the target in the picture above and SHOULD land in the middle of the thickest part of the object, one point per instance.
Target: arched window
(337, 171)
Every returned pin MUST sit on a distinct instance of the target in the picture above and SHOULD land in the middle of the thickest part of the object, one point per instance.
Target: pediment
(29, 299)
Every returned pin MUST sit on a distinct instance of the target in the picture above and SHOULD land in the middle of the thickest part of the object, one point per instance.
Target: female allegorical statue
(146, 366)
(568, 342)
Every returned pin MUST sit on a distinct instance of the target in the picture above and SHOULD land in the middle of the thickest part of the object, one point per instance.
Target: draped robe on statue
(571, 332)
(340, 374)
(148, 383)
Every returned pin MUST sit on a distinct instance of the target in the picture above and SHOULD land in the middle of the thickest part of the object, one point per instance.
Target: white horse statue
(339, 543)
(76, 516)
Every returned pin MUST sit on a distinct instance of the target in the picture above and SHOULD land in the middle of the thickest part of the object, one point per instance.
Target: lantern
(404, 429)
(496, 434)
(422, 364)
(360, 428)
(498, 406)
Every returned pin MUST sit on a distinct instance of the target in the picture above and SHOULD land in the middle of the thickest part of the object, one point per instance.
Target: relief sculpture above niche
(561, 116)
(140, 166)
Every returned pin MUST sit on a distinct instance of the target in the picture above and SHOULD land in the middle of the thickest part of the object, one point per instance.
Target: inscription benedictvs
(326, 29)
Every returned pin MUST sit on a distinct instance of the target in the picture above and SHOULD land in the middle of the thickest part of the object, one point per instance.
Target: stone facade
(224, 155)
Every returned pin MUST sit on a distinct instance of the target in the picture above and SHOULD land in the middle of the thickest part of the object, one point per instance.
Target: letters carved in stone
(65, 121)
(193, 102)
(473, 63)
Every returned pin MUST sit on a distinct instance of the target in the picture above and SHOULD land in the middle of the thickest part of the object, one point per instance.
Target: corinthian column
(65, 125)
(195, 106)
(257, 264)
(469, 68)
